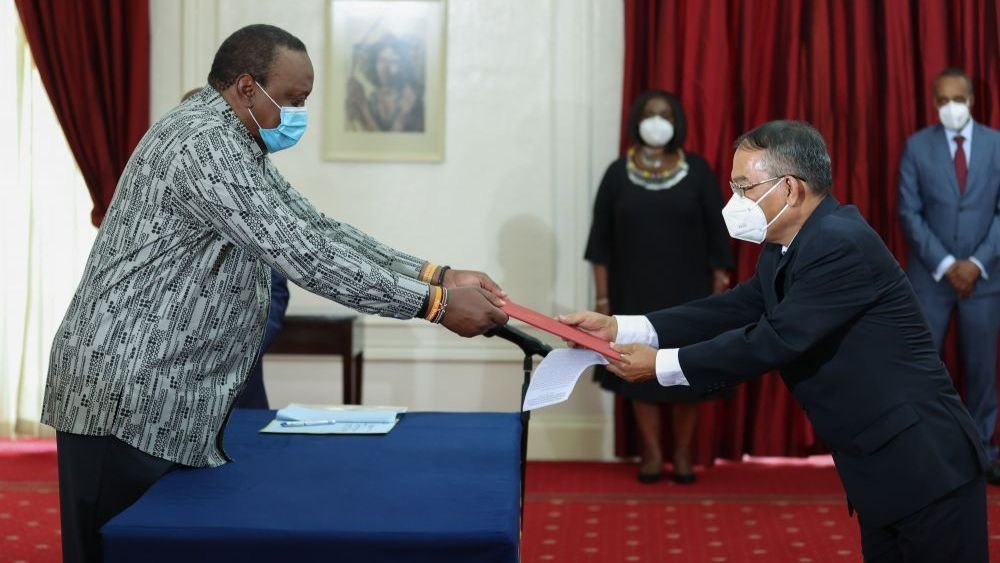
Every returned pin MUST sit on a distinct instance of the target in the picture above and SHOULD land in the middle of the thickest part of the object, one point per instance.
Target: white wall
(533, 102)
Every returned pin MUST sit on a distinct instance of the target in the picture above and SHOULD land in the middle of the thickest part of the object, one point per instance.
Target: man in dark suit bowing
(831, 309)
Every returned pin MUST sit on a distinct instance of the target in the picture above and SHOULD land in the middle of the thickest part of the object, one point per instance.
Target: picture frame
(385, 80)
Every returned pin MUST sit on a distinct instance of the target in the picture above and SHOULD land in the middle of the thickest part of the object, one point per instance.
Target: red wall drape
(860, 72)
(93, 58)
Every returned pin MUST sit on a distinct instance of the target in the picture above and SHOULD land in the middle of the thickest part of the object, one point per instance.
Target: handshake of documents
(557, 374)
(551, 383)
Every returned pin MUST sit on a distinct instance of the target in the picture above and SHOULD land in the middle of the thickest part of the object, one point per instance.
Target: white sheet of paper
(556, 375)
(350, 419)
(344, 413)
(275, 427)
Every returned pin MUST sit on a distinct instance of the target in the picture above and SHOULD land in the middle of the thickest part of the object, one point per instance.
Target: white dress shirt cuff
(943, 266)
(668, 368)
(982, 269)
(636, 329)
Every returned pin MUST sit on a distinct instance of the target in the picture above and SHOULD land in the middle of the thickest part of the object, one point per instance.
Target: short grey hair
(793, 148)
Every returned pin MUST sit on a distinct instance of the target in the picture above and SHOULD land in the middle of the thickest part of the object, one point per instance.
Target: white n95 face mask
(954, 115)
(744, 218)
(656, 131)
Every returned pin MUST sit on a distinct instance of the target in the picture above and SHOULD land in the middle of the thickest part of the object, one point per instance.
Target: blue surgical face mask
(288, 132)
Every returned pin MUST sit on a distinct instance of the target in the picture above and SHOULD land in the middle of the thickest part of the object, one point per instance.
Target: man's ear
(246, 90)
(796, 191)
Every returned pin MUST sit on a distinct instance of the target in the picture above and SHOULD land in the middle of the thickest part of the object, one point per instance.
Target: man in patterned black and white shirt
(167, 320)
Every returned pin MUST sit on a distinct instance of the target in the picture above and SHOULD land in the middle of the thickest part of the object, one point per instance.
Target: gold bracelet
(427, 272)
(435, 303)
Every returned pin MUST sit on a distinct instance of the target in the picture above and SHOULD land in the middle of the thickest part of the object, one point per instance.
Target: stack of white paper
(555, 377)
(340, 419)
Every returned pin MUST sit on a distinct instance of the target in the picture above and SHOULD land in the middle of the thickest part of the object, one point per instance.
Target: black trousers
(951, 529)
(253, 395)
(99, 476)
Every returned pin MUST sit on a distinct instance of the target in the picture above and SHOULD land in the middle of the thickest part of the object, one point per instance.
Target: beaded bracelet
(440, 275)
(442, 309)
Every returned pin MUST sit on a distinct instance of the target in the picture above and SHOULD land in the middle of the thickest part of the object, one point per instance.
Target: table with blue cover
(440, 487)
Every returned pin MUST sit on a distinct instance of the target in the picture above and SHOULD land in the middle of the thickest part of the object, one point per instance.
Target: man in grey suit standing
(949, 207)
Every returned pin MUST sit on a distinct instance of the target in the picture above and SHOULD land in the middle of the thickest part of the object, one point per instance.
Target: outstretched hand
(471, 278)
(638, 362)
(472, 311)
(595, 324)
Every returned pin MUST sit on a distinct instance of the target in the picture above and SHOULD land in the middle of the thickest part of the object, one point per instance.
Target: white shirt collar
(784, 248)
(965, 132)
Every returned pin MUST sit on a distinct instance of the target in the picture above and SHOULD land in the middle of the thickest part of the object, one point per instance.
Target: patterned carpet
(29, 502)
(771, 511)
(760, 511)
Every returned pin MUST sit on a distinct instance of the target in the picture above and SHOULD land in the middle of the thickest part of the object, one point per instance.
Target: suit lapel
(772, 256)
(779, 282)
(980, 158)
(767, 266)
(779, 272)
(941, 154)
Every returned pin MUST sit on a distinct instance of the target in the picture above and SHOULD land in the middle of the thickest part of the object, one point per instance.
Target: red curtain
(860, 72)
(93, 58)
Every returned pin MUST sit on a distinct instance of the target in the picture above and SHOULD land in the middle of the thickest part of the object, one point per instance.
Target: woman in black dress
(658, 240)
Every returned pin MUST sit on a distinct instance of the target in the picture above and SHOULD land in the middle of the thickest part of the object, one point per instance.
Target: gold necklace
(634, 167)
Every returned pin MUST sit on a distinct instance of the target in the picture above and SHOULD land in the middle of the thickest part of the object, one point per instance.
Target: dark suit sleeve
(720, 256)
(918, 233)
(988, 250)
(706, 318)
(830, 289)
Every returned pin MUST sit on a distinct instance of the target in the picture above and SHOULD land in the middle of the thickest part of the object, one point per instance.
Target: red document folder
(566, 332)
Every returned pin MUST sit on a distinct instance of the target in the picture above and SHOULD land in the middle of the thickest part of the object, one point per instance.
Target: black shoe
(993, 474)
(683, 478)
(682, 458)
(649, 478)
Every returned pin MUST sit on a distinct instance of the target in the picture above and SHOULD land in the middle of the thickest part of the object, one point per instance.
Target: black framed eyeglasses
(740, 190)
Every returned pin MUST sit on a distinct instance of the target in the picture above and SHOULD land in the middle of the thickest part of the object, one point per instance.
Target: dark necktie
(961, 167)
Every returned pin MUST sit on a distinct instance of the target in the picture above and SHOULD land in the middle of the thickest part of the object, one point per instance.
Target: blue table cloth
(440, 487)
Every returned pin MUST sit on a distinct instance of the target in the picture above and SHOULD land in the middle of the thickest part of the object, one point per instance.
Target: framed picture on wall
(385, 73)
